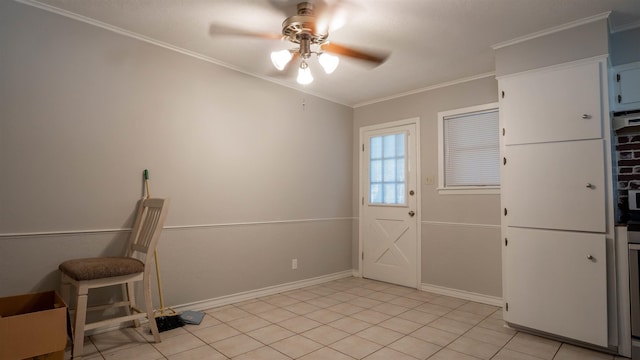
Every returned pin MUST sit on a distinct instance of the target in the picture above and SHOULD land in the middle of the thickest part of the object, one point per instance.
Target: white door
(556, 282)
(389, 212)
(629, 86)
(552, 105)
(559, 185)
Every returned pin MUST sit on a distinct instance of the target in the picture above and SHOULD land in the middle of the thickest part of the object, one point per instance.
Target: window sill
(470, 190)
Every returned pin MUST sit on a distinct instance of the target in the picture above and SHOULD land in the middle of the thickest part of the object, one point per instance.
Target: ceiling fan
(308, 30)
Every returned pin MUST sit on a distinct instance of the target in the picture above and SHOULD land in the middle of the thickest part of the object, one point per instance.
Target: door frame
(362, 191)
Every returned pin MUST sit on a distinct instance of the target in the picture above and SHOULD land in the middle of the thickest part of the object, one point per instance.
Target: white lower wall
(196, 263)
(462, 256)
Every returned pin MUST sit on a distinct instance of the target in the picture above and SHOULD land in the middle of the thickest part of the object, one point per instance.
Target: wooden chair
(89, 273)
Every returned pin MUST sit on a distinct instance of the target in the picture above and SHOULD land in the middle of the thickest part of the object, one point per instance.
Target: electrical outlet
(294, 264)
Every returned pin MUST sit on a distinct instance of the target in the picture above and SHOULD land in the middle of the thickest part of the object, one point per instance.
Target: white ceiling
(431, 41)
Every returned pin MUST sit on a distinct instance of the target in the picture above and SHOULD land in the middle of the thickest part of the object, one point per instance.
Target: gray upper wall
(580, 42)
(84, 110)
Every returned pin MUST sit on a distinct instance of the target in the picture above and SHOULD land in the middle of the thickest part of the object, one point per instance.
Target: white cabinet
(556, 185)
(557, 283)
(627, 87)
(556, 194)
(552, 105)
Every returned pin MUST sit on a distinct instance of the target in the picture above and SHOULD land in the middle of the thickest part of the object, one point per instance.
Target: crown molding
(552, 30)
(428, 88)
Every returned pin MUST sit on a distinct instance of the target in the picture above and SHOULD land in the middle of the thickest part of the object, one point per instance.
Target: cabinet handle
(586, 116)
(590, 186)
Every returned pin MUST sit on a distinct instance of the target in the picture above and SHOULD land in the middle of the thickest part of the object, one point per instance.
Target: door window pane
(400, 192)
(376, 171)
(389, 171)
(400, 170)
(390, 193)
(376, 193)
(387, 166)
(376, 148)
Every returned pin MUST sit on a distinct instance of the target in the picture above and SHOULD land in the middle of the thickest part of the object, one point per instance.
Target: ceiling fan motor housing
(301, 27)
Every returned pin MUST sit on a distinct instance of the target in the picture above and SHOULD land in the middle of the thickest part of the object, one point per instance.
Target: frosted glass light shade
(329, 62)
(281, 58)
(304, 76)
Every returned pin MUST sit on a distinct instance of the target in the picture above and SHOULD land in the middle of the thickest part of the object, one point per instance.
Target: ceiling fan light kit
(328, 62)
(304, 74)
(281, 58)
(309, 30)
(303, 29)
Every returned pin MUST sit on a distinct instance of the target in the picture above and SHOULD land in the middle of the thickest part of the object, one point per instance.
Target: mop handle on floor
(155, 254)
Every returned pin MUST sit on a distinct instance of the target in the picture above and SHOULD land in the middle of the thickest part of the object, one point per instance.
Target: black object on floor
(166, 323)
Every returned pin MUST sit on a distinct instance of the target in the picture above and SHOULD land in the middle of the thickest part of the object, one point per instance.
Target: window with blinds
(469, 148)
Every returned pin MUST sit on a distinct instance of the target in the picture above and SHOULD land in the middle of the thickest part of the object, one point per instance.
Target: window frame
(457, 190)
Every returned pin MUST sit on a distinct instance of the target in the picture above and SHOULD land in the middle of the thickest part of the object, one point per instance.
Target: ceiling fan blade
(330, 15)
(219, 29)
(377, 57)
(333, 16)
(286, 7)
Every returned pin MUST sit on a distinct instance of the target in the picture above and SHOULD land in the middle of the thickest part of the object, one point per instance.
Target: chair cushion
(102, 267)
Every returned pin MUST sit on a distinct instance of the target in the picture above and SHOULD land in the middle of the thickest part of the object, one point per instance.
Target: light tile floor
(345, 319)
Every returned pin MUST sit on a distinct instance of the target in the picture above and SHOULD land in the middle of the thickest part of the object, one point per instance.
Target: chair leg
(80, 320)
(131, 297)
(149, 308)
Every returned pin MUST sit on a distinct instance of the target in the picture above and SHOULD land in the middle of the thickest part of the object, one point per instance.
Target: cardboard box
(33, 325)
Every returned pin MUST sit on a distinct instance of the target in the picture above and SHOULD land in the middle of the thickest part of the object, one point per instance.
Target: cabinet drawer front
(556, 186)
(556, 282)
(552, 105)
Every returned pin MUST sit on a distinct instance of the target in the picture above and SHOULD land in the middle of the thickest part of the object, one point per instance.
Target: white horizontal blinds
(472, 152)
(387, 169)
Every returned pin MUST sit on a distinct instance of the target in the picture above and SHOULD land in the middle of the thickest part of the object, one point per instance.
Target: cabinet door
(556, 282)
(552, 105)
(628, 88)
(556, 186)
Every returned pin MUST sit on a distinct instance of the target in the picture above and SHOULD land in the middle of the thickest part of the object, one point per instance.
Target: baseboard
(462, 294)
(253, 294)
(441, 290)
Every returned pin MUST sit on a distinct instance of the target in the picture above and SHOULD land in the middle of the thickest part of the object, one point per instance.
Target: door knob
(412, 213)
(590, 257)
(586, 116)
(591, 186)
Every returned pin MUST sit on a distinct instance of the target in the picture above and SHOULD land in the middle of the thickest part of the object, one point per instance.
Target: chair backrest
(147, 227)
